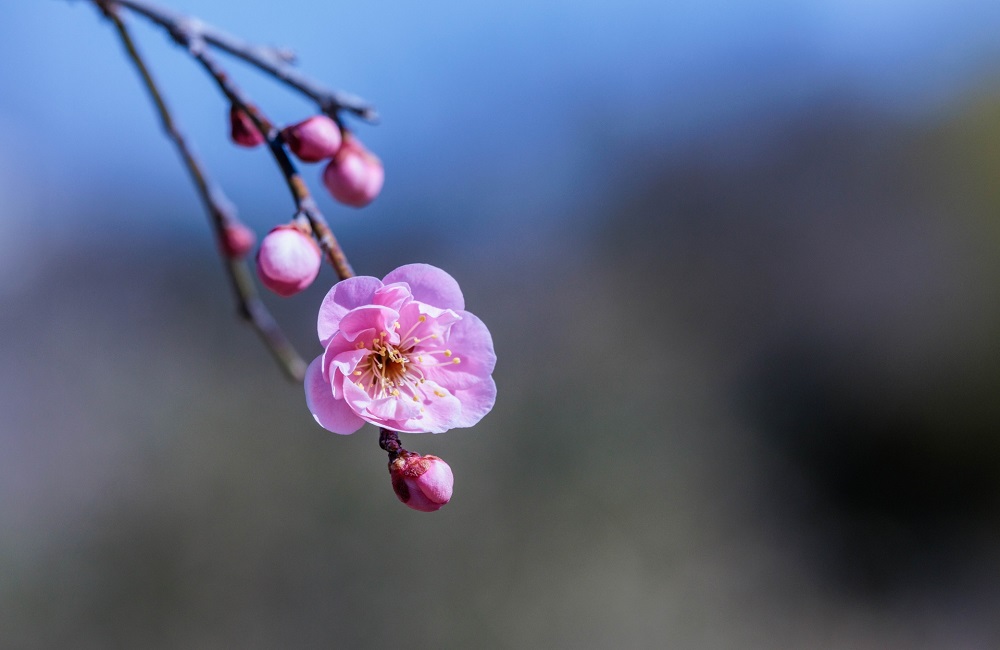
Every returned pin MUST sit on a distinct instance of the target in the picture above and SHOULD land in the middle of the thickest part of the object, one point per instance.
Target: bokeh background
(741, 262)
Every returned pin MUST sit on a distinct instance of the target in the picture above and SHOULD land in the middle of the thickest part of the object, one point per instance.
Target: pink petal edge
(332, 414)
(343, 297)
(429, 284)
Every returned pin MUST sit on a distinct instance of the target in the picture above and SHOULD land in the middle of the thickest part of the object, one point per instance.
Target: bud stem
(389, 441)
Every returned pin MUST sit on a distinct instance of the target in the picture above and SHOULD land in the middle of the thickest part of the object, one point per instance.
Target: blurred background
(741, 263)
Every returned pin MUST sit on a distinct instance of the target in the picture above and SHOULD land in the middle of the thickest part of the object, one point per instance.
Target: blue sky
(481, 103)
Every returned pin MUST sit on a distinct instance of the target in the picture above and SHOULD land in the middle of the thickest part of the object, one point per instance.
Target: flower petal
(370, 317)
(393, 296)
(470, 342)
(429, 284)
(342, 298)
(477, 401)
(438, 412)
(338, 364)
(332, 414)
(393, 409)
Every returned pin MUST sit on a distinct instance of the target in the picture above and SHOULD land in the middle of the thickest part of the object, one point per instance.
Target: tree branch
(221, 214)
(273, 61)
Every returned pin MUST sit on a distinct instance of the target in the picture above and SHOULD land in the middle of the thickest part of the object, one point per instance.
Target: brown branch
(221, 214)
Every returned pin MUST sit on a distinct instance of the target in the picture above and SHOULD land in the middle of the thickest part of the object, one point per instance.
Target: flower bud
(423, 483)
(242, 130)
(288, 260)
(314, 139)
(236, 240)
(355, 175)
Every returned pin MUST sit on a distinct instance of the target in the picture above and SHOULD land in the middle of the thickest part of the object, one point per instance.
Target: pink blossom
(288, 260)
(355, 175)
(423, 483)
(313, 139)
(401, 353)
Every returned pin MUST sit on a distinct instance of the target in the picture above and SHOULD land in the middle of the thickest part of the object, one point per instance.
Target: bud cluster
(354, 175)
(289, 259)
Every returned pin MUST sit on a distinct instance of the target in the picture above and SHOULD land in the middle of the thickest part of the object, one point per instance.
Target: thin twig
(221, 214)
(272, 61)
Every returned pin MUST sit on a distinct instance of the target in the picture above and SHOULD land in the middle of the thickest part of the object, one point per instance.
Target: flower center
(388, 364)
(389, 369)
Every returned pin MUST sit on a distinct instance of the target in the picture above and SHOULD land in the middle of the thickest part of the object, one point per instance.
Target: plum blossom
(401, 353)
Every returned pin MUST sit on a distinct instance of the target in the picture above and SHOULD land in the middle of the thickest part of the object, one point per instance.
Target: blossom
(401, 353)
(423, 483)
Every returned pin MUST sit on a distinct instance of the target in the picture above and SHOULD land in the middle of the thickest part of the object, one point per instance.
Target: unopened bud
(423, 483)
(236, 241)
(242, 130)
(355, 175)
(288, 260)
(314, 139)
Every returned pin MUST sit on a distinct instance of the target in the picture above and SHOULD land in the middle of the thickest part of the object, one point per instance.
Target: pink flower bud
(423, 483)
(242, 130)
(236, 241)
(314, 139)
(288, 260)
(355, 175)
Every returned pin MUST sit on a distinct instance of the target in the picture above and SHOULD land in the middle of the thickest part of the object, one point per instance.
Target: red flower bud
(314, 139)
(242, 130)
(423, 483)
(355, 175)
(236, 241)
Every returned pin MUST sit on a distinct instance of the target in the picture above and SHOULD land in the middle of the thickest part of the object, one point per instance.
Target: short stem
(389, 441)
